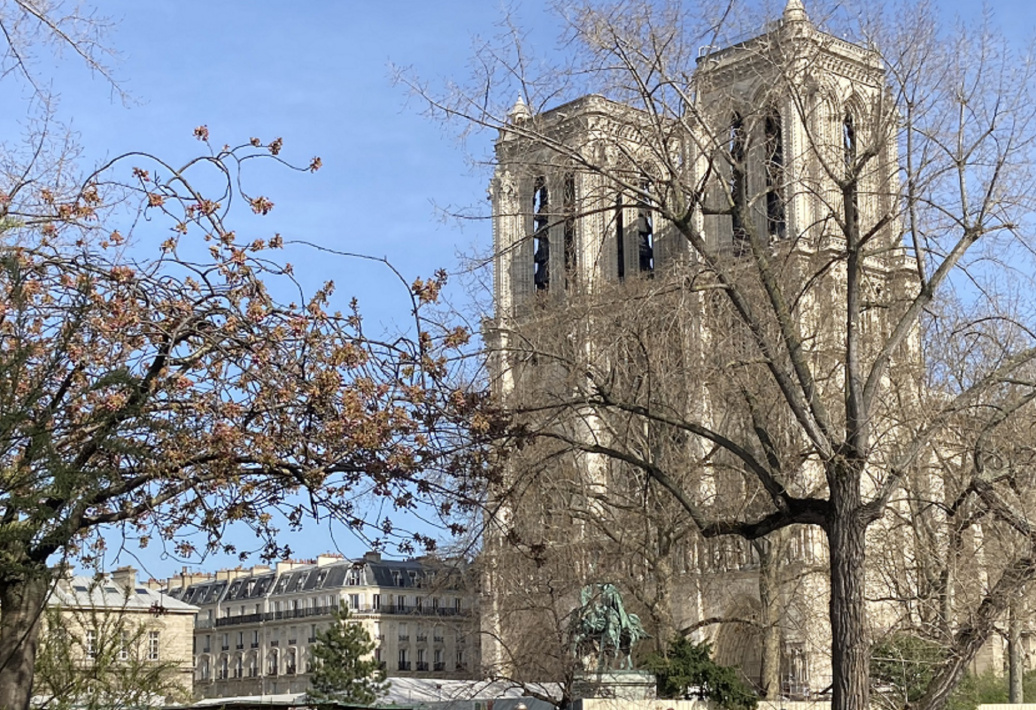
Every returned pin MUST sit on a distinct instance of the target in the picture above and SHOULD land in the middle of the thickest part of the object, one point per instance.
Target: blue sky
(317, 74)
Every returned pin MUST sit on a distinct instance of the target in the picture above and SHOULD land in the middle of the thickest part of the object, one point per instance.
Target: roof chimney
(125, 577)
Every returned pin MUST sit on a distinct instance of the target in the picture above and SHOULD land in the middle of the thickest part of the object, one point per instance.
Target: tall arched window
(776, 222)
(645, 231)
(738, 184)
(568, 199)
(850, 148)
(541, 235)
(620, 241)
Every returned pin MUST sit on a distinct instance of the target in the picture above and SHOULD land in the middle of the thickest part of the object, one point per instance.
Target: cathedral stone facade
(598, 289)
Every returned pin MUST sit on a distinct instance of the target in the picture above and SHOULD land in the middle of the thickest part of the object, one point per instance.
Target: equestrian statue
(601, 627)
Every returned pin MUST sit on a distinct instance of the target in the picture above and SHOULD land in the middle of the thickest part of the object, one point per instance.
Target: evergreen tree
(689, 669)
(341, 668)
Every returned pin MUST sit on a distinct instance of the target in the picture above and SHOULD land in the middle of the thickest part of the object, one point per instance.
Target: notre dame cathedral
(621, 228)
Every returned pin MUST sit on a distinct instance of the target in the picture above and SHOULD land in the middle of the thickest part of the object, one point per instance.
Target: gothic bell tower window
(738, 185)
(645, 234)
(568, 198)
(852, 197)
(776, 222)
(541, 235)
(620, 241)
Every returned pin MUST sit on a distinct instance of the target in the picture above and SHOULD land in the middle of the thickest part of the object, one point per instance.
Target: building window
(124, 644)
(541, 235)
(776, 223)
(460, 659)
(851, 149)
(422, 664)
(456, 604)
(738, 185)
(205, 670)
(404, 663)
(404, 633)
(224, 667)
(620, 238)
(645, 232)
(91, 643)
(271, 663)
(376, 601)
(255, 638)
(418, 604)
(208, 644)
(401, 602)
(354, 601)
(153, 645)
(568, 199)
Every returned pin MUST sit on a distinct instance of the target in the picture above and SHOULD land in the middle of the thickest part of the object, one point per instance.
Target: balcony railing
(256, 618)
(404, 665)
(417, 610)
(422, 665)
(404, 637)
(440, 666)
(421, 638)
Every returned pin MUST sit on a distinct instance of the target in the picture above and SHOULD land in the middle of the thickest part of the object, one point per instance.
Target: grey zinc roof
(308, 578)
(104, 593)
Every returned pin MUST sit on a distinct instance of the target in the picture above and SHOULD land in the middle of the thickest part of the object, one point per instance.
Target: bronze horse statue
(601, 625)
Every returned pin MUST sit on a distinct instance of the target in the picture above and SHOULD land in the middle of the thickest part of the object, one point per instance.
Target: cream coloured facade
(769, 121)
(127, 626)
(255, 627)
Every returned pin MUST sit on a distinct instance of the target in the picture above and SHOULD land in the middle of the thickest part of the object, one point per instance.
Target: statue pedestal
(614, 685)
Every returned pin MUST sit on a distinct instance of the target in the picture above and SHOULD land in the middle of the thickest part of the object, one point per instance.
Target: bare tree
(816, 211)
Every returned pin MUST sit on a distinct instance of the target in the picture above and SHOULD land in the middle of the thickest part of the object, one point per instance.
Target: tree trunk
(22, 601)
(850, 650)
(1014, 653)
(769, 599)
(662, 605)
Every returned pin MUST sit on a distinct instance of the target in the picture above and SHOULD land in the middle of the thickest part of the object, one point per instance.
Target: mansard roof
(313, 577)
(105, 593)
